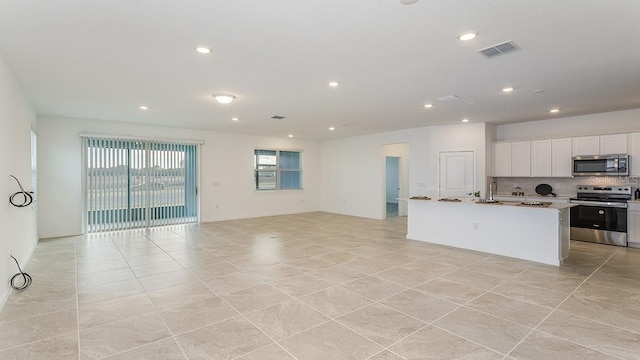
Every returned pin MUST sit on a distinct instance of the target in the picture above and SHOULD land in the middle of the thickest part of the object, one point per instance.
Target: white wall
(353, 168)
(18, 225)
(593, 124)
(227, 187)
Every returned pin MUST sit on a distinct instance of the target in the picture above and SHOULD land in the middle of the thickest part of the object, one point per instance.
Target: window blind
(139, 183)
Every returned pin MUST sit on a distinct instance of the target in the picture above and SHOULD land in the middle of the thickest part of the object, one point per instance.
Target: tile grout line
(240, 314)
(459, 306)
(75, 266)
(250, 231)
(562, 302)
(173, 336)
(335, 319)
(147, 295)
(431, 323)
(160, 312)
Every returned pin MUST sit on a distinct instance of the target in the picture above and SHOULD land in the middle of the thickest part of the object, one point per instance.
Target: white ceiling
(101, 59)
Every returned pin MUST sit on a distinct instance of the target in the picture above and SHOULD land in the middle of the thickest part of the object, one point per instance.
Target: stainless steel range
(601, 214)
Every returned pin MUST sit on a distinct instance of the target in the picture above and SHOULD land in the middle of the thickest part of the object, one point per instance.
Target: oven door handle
(600, 203)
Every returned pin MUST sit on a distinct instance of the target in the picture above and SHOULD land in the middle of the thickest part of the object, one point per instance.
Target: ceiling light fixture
(223, 98)
(508, 89)
(234, 119)
(331, 128)
(428, 106)
(465, 120)
(468, 36)
(203, 50)
(290, 135)
(143, 107)
(555, 110)
(408, 2)
(334, 83)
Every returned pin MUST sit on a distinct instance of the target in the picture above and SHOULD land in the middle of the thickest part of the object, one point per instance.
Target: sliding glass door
(139, 183)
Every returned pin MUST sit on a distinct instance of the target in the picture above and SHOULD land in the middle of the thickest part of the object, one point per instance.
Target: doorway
(393, 185)
(395, 189)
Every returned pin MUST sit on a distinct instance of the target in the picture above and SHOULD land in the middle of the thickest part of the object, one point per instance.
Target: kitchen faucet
(491, 185)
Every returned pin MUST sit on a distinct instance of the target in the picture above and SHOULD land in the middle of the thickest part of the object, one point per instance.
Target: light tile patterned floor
(316, 286)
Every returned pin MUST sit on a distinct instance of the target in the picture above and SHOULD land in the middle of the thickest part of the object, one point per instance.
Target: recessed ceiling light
(223, 98)
(331, 128)
(465, 120)
(234, 119)
(428, 106)
(555, 110)
(143, 107)
(290, 135)
(538, 91)
(334, 83)
(468, 36)
(508, 89)
(408, 2)
(203, 50)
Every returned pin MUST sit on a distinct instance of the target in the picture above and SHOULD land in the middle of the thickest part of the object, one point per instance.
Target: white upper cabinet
(634, 155)
(538, 158)
(502, 159)
(585, 145)
(552, 157)
(561, 157)
(600, 145)
(613, 144)
(521, 158)
(541, 158)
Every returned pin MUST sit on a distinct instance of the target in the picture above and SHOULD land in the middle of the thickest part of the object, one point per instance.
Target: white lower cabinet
(633, 225)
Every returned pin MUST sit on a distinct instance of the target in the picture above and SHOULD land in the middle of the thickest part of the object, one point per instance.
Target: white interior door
(456, 170)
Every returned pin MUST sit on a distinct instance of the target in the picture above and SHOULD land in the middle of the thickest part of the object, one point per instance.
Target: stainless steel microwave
(601, 165)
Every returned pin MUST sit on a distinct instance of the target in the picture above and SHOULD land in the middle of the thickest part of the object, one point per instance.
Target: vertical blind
(139, 183)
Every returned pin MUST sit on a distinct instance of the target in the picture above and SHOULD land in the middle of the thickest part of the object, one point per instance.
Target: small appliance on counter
(636, 196)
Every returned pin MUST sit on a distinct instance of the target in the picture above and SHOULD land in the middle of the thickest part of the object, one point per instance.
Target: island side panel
(521, 232)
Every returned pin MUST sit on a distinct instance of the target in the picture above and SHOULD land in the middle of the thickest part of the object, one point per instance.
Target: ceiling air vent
(278, 117)
(449, 98)
(499, 49)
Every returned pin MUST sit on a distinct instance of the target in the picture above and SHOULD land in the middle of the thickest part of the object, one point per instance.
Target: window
(277, 169)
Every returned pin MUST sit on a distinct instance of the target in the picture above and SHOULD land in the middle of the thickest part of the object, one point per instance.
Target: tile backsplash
(561, 186)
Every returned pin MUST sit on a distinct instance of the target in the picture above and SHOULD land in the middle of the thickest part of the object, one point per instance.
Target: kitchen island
(535, 233)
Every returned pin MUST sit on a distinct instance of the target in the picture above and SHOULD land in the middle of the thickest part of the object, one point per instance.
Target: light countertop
(559, 197)
(517, 204)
